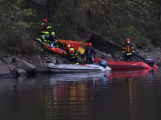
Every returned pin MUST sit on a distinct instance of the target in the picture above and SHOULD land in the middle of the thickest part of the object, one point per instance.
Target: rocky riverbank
(23, 65)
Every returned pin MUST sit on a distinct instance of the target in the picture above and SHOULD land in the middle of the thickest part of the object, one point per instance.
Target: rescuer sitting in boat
(128, 51)
(72, 55)
(88, 54)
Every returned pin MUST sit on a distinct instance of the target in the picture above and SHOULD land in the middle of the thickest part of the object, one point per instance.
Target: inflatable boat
(126, 65)
(73, 68)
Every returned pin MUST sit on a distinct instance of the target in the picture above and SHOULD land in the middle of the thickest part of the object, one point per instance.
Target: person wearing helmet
(45, 27)
(88, 54)
(53, 40)
(72, 54)
(43, 39)
(128, 51)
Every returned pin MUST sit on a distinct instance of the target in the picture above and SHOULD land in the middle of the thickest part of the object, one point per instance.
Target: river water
(115, 95)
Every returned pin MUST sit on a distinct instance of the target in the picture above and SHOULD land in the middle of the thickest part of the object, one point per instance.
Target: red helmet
(90, 44)
(127, 39)
(45, 20)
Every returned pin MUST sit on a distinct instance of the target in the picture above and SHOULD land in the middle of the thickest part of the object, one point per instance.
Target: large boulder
(28, 67)
(7, 60)
(4, 70)
(21, 72)
(38, 64)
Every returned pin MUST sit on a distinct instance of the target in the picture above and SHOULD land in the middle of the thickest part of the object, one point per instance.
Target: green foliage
(16, 23)
(60, 19)
(138, 20)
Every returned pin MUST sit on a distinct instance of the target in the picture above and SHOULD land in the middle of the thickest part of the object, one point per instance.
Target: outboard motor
(150, 61)
(102, 63)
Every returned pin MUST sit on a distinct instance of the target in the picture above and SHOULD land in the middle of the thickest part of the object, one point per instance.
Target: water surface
(120, 95)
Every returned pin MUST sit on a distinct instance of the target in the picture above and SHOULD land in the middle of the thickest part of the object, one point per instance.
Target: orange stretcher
(55, 50)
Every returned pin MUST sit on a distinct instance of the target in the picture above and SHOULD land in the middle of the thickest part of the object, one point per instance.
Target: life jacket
(128, 49)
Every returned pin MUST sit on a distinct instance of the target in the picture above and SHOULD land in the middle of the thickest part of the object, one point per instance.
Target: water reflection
(127, 95)
(76, 92)
(130, 89)
(131, 74)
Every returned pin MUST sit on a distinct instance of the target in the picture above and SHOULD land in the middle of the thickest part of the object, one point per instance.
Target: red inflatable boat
(126, 65)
